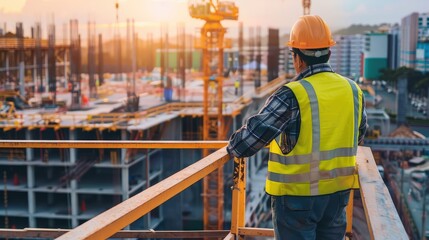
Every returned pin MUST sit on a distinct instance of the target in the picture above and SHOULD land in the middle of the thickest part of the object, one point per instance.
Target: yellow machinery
(212, 44)
(7, 110)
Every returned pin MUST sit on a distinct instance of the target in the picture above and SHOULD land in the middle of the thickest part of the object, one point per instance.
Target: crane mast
(212, 44)
(306, 5)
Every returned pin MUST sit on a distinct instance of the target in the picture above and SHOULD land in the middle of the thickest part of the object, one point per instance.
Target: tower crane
(212, 44)
(306, 5)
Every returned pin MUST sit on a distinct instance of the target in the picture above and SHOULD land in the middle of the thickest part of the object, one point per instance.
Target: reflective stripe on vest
(309, 179)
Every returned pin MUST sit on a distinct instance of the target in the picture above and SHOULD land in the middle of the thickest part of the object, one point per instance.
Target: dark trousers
(314, 217)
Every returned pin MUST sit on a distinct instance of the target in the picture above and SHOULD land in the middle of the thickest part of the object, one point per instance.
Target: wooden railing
(381, 215)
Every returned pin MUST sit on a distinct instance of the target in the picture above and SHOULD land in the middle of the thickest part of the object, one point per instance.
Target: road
(413, 201)
(389, 103)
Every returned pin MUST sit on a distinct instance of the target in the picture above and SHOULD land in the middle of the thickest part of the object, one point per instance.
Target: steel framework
(212, 45)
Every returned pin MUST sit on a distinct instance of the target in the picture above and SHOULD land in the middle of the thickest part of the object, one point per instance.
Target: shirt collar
(313, 69)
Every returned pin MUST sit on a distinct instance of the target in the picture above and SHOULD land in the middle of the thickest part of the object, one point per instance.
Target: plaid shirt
(279, 114)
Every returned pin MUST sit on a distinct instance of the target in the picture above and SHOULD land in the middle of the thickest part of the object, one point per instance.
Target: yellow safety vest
(323, 160)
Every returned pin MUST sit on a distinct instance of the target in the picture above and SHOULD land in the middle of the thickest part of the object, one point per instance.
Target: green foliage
(417, 81)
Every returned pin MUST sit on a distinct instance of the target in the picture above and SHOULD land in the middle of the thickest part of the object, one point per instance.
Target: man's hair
(310, 60)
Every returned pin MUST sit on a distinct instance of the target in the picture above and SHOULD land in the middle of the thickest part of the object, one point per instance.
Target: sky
(149, 14)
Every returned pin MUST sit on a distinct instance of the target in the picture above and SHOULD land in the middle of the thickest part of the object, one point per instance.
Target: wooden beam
(238, 195)
(381, 215)
(54, 233)
(230, 236)
(113, 144)
(263, 232)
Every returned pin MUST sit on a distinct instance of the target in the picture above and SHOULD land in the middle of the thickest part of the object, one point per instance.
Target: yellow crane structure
(306, 5)
(212, 44)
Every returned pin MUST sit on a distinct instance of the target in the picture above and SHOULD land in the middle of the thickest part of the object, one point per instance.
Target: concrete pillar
(125, 183)
(65, 69)
(427, 105)
(234, 124)
(123, 156)
(29, 151)
(124, 170)
(72, 150)
(74, 203)
(31, 197)
(21, 79)
(402, 100)
(7, 64)
(73, 185)
(46, 83)
(34, 72)
(30, 183)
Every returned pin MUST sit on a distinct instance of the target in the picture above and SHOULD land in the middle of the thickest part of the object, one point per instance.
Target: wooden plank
(113, 220)
(54, 233)
(230, 236)
(113, 144)
(238, 211)
(260, 232)
(381, 215)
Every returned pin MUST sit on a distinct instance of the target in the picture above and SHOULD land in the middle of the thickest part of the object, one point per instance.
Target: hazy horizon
(150, 14)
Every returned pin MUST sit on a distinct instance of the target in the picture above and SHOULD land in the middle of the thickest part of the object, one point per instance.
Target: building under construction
(58, 90)
(94, 135)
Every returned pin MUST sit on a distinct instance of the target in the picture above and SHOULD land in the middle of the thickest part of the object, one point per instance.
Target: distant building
(394, 46)
(409, 34)
(288, 63)
(346, 55)
(375, 54)
(414, 41)
(423, 26)
(422, 56)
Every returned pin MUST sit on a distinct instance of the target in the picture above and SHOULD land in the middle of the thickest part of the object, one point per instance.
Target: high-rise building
(346, 55)
(375, 54)
(422, 49)
(422, 56)
(409, 34)
(394, 46)
(414, 38)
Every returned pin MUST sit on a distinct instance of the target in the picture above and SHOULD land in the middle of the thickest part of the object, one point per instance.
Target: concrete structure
(409, 35)
(393, 52)
(414, 38)
(378, 119)
(402, 100)
(375, 54)
(62, 188)
(346, 56)
(422, 56)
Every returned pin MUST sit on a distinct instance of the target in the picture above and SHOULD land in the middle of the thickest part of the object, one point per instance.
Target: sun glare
(167, 10)
(14, 6)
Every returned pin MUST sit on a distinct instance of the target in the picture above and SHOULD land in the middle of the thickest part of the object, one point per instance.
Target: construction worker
(236, 85)
(313, 125)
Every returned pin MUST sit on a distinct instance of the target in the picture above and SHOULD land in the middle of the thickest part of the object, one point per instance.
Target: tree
(417, 81)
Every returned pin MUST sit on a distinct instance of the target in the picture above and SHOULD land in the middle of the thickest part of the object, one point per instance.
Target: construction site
(125, 137)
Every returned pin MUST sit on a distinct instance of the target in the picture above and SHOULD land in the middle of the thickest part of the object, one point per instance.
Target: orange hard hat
(310, 32)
